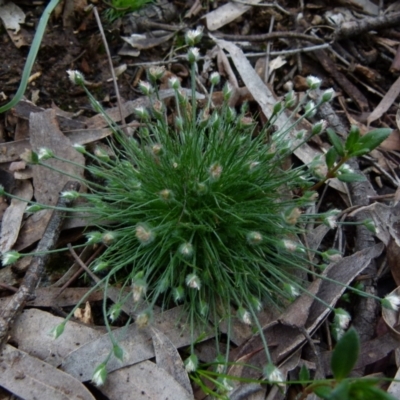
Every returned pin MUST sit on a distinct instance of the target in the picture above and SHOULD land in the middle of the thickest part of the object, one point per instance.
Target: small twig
(82, 264)
(269, 36)
(80, 269)
(34, 274)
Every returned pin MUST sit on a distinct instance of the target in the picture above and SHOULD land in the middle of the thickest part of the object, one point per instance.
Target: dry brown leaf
(168, 359)
(13, 215)
(30, 378)
(135, 342)
(226, 13)
(145, 381)
(45, 133)
(386, 102)
(32, 333)
(84, 314)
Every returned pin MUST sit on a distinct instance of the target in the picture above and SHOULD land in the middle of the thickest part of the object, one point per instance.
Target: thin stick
(34, 274)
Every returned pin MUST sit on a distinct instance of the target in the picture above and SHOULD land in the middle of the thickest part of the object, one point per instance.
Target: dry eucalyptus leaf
(136, 343)
(45, 133)
(168, 359)
(145, 381)
(32, 333)
(30, 378)
(51, 297)
(13, 216)
(226, 13)
(386, 102)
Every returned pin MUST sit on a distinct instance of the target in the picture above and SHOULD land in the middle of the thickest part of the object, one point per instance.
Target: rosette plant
(204, 211)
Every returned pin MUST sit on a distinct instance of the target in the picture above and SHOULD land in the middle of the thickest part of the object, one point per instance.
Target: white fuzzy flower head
(319, 127)
(392, 302)
(330, 218)
(215, 78)
(100, 375)
(146, 88)
(191, 363)
(114, 312)
(342, 318)
(292, 290)
(313, 82)
(141, 112)
(337, 332)
(194, 36)
(70, 194)
(289, 245)
(174, 83)
(193, 54)
(193, 281)
(144, 234)
(309, 109)
(178, 294)
(156, 72)
(58, 330)
(94, 237)
(101, 154)
(109, 237)
(45, 154)
(293, 215)
(100, 266)
(166, 194)
(327, 95)
(10, 257)
(215, 171)
(186, 250)
(139, 288)
(76, 77)
(79, 148)
(254, 238)
(244, 316)
(273, 374)
(144, 318)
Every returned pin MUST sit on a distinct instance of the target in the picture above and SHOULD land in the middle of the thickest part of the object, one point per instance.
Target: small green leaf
(304, 374)
(336, 141)
(341, 391)
(330, 157)
(353, 138)
(323, 391)
(360, 152)
(345, 354)
(372, 139)
(349, 177)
